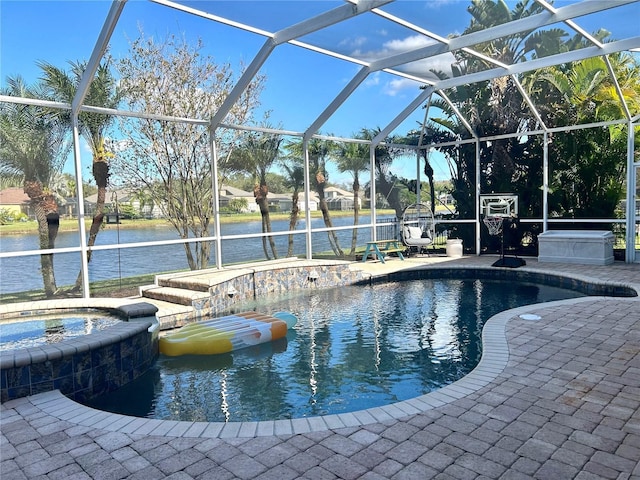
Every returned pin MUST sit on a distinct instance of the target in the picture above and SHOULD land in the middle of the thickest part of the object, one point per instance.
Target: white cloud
(372, 80)
(398, 85)
(422, 68)
(393, 47)
(406, 44)
(353, 43)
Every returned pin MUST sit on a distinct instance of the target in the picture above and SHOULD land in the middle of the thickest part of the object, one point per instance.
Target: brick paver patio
(559, 398)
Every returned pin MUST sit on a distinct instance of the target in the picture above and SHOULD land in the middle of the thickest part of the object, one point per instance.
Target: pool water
(353, 348)
(25, 332)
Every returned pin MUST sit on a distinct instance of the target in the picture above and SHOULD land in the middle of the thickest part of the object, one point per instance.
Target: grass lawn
(71, 224)
(119, 287)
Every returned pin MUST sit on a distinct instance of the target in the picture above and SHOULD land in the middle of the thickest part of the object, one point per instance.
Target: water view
(23, 274)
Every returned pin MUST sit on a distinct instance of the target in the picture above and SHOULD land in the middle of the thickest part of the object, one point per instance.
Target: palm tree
(492, 108)
(257, 153)
(386, 182)
(413, 138)
(319, 153)
(294, 180)
(32, 145)
(103, 92)
(354, 158)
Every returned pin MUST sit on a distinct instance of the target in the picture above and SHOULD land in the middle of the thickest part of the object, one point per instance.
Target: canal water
(23, 273)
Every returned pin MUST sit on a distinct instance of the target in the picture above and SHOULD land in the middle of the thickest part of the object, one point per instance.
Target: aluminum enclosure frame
(292, 35)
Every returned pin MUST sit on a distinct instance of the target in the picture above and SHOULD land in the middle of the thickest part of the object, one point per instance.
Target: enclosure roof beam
(616, 84)
(515, 69)
(419, 100)
(459, 114)
(257, 31)
(427, 33)
(327, 19)
(214, 18)
(506, 29)
(597, 43)
(423, 127)
(286, 35)
(570, 23)
(98, 52)
(539, 63)
(528, 101)
(242, 84)
(337, 101)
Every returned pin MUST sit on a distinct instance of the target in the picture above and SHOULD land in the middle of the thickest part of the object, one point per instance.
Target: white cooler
(589, 247)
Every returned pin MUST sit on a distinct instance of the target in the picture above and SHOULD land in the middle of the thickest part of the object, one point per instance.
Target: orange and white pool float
(224, 334)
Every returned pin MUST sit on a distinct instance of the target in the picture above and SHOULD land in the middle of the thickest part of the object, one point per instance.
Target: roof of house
(13, 196)
(312, 196)
(279, 196)
(227, 191)
(339, 191)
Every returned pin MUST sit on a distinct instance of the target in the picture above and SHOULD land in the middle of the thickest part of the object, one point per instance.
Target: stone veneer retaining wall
(252, 283)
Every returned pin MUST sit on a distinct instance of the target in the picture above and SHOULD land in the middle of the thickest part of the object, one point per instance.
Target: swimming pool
(354, 347)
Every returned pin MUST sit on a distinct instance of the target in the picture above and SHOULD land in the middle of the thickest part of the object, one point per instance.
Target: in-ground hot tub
(80, 366)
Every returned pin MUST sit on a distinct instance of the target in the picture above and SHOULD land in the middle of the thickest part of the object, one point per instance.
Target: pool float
(224, 334)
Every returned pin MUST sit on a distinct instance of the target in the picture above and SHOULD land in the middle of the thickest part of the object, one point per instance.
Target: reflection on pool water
(24, 332)
(353, 348)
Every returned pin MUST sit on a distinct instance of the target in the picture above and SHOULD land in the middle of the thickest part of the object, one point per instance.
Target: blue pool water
(353, 348)
(34, 331)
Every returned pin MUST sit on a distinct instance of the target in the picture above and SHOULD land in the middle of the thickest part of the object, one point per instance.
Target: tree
(589, 164)
(93, 127)
(294, 180)
(171, 159)
(319, 152)
(354, 158)
(238, 205)
(493, 108)
(386, 182)
(413, 138)
(258, 151)
(32, 145)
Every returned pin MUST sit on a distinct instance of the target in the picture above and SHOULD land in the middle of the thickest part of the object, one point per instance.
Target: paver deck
(553, 398)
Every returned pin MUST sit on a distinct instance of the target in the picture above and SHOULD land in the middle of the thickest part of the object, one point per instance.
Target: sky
(300, 84)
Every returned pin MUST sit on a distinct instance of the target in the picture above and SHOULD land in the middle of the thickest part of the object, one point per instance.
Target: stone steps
(187, 283)
(184, 297)
(180, 296)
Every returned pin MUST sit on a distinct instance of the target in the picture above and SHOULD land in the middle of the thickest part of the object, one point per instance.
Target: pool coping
(494, 359)
(21, 357)
(128, 308)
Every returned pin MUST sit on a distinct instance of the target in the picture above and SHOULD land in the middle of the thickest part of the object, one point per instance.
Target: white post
(630, 237)
(82, 231)
(545, 182)
(372, 188)
(418, 194)
(307, 197)
(477, 196)
(215, 196)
